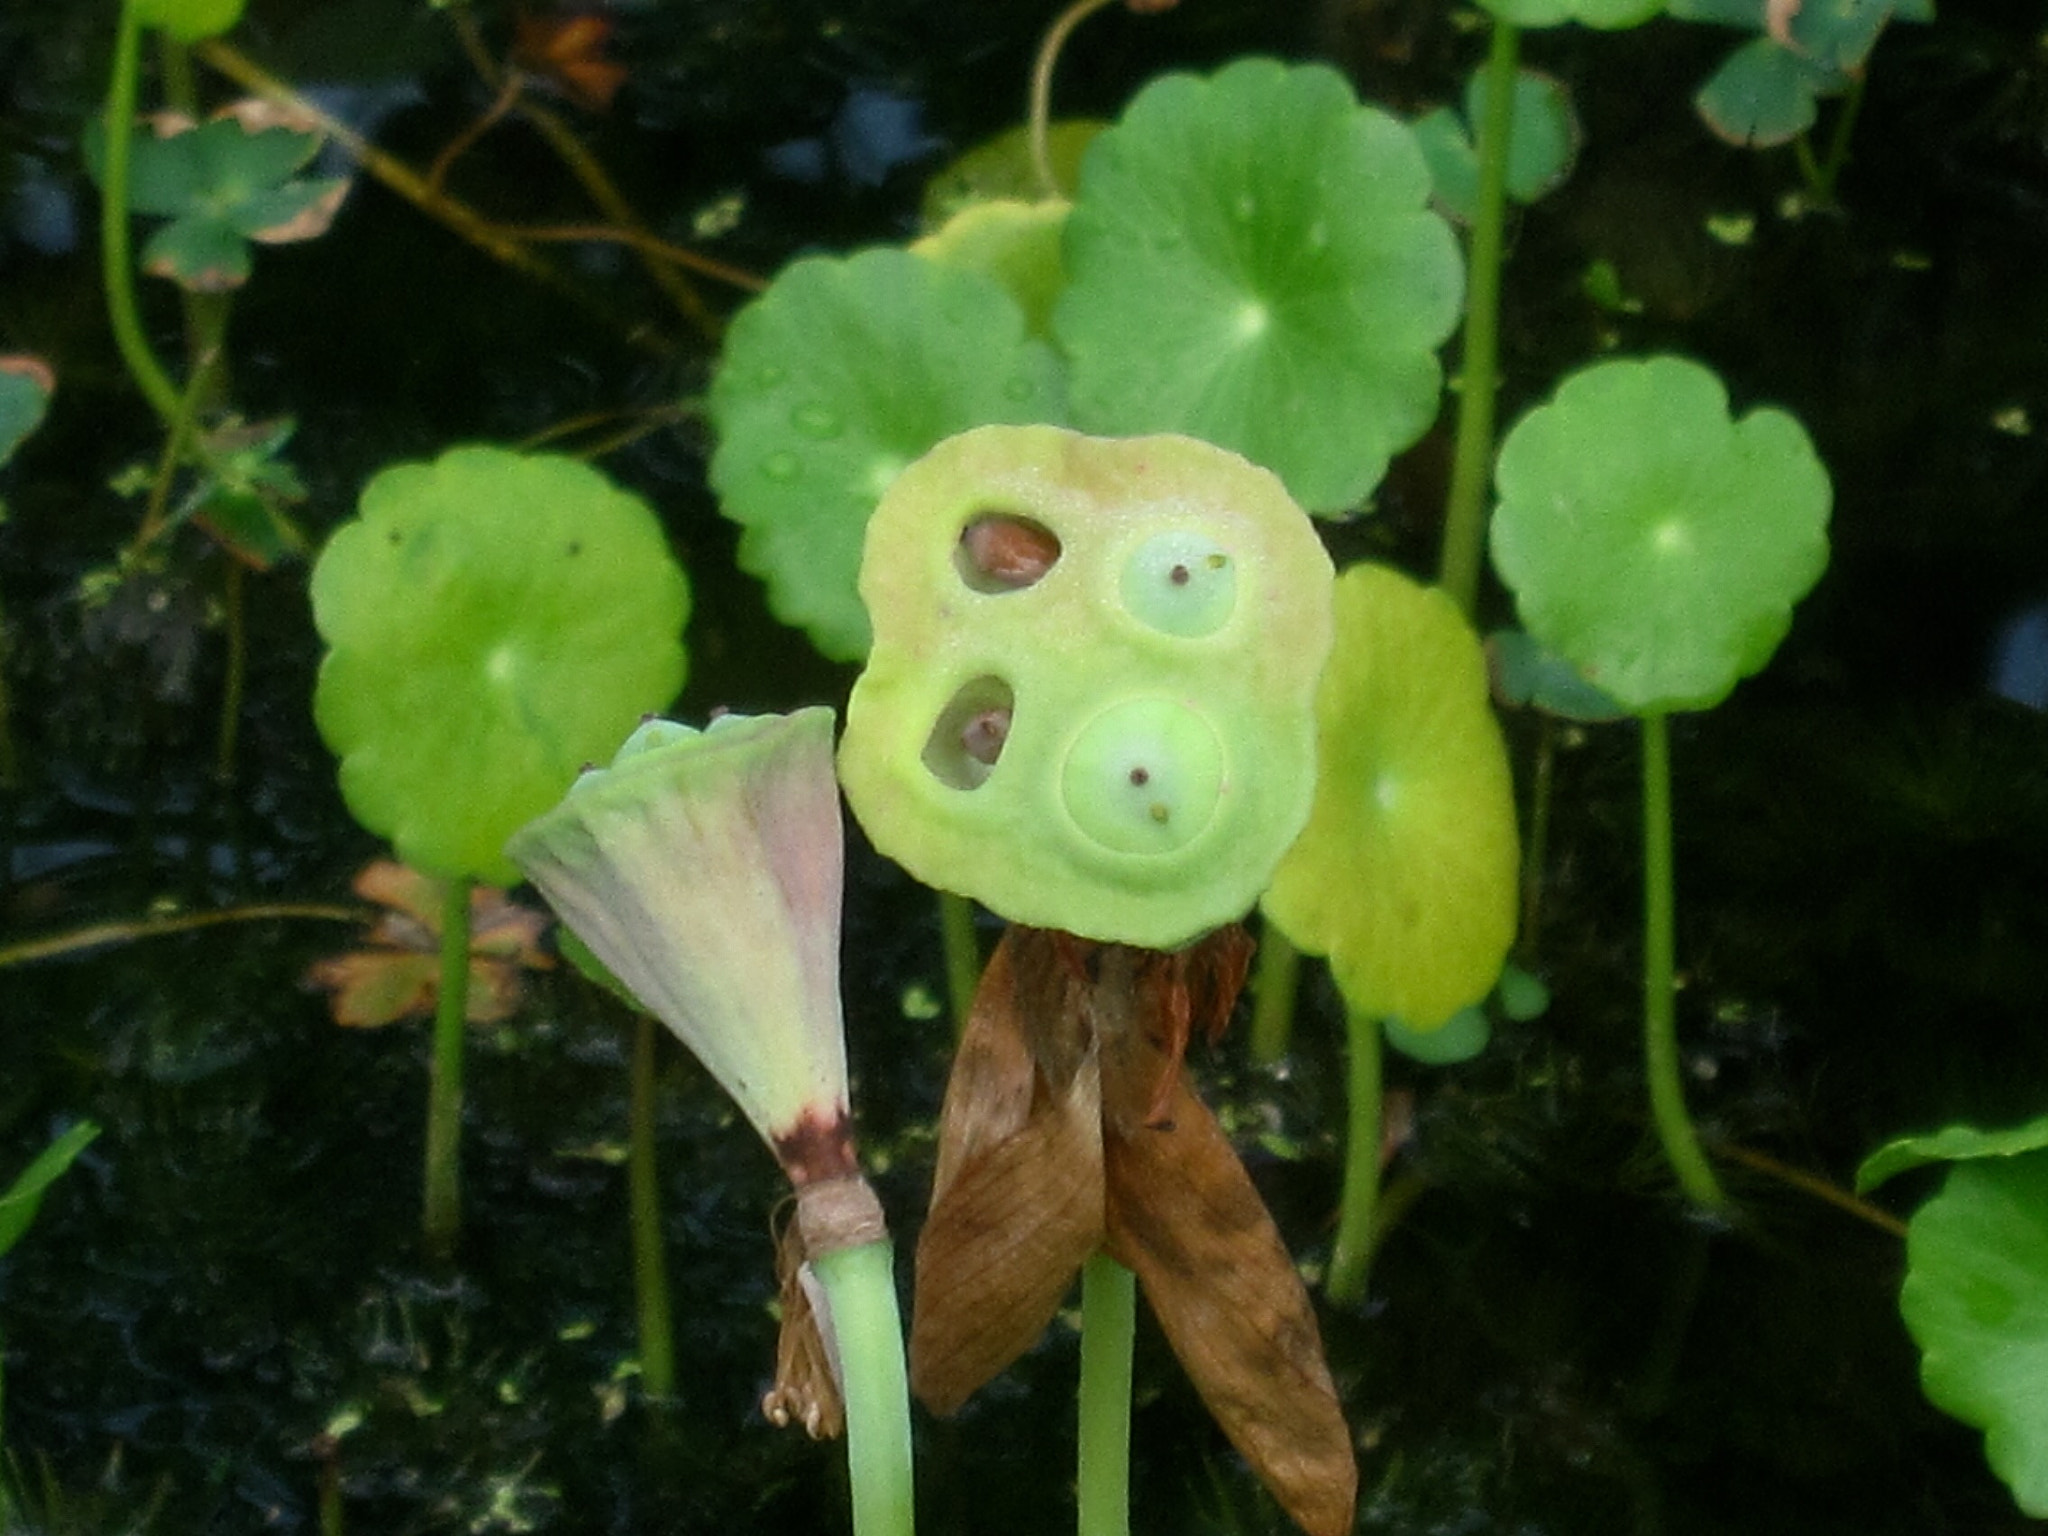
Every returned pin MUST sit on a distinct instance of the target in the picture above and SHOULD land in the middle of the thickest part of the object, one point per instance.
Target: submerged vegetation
(1488, 530)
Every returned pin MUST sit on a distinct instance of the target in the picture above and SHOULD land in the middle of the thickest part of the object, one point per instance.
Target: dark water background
(223, 1304)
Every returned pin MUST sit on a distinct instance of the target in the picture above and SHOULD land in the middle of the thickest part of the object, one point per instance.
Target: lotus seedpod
(1253, 261)
(704, 870)
(1653, 542)
(831, 381)
(1090, 701)
(222, 184)
(494, 621)
(1405, 873)
(1016, 243)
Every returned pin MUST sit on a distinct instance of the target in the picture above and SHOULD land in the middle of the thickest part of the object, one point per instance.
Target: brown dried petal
(1017, 1199)
(1183, 1215)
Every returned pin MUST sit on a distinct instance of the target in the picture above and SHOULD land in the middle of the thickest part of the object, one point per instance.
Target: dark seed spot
(1141, 776)
(1178, 575)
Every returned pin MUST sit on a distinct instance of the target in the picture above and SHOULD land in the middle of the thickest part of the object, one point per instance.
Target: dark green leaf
(18, 1206)
(1975, 1300)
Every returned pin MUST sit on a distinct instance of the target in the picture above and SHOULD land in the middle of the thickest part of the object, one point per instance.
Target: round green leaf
(494, 622)
(1017, 243)
(1252, 261)
(1976, 1302)
(189, 21)
(1607, 15)
(1953, 1143)
(1764, 94)
(1543, 140)
(1405, 873)
(1652, 542)
(840, 374)
(1089, 704)
(1459, 1038)
(1001, 168)
(26, 385)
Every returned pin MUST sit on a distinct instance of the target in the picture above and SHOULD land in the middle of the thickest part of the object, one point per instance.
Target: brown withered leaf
(1069, 1125)
(397, 974)
(568, 51)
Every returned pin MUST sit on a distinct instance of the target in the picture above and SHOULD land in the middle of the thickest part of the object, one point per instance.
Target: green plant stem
(234, 684)
(1274, 985)
(1660, 1008)
(1040, 111)
(643, 1185)
(1351, 1254)
(1109, 1320)
(117, 269)
(441, 1214)
(1464, 543)
(963, 955)
(860, 1289)
(1536, 844)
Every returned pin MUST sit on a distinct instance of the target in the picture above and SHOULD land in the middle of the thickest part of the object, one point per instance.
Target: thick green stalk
(860, 1289)
(1109, 1319)
(117, 270)
(1351, 1254)
(1660, 1009)
(441, 1215)
(1464, 543)
(963, 955)
(1273, 988)
(643, 1185)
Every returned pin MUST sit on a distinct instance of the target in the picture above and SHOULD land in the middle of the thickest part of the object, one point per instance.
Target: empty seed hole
(968, 737)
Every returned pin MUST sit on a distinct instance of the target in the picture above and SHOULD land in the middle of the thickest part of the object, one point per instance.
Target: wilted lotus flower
(704, 869)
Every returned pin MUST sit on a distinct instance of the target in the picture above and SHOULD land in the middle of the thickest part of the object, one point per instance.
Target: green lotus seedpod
(494, 622)
(1090, 700)
(1405, 874)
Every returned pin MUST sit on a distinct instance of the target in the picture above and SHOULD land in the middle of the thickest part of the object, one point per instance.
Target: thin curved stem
(1464, 544)
(1274, 985)
(1660, 1008)
(1109, 1319)
(643, 1185)
(1040, 115)
(117, 269)
(441, 1214)
(23, 951)
(1813, 1184)
(860, 1289)
(1351, 1254)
